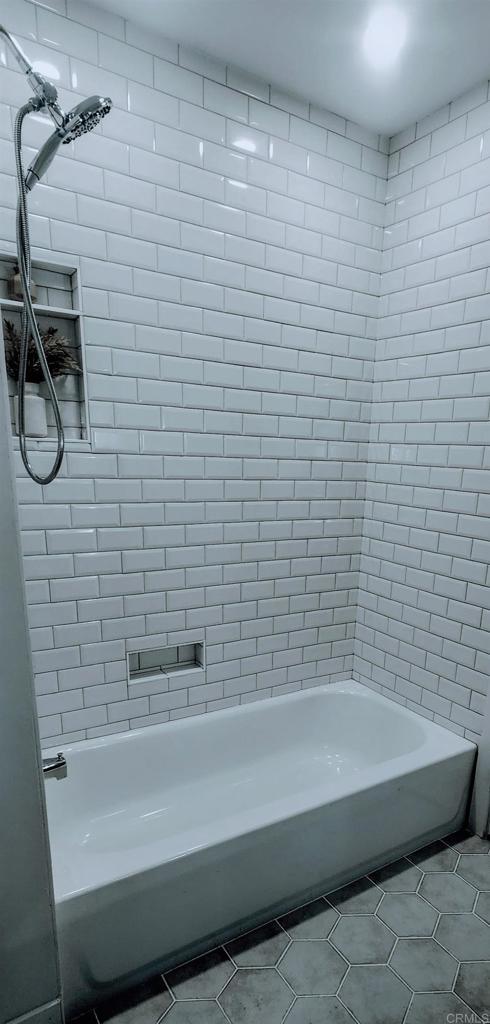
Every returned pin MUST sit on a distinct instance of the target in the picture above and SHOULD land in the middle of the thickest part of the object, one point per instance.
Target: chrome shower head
(85, 116)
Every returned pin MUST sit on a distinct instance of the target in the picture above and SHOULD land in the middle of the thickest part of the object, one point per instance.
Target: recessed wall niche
(164, 663)
(57, 305)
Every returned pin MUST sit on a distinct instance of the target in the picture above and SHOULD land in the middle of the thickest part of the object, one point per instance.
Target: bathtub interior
(137, 800)
(251, 755)
(305, 734)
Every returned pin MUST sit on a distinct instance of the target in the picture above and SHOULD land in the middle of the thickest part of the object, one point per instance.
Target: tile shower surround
(230, 249)
(423, 624)
(231, 243)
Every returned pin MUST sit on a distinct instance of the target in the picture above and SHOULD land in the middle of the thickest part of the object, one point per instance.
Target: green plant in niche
(60, 358)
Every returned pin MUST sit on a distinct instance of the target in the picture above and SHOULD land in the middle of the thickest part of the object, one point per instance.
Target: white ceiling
(317, 48)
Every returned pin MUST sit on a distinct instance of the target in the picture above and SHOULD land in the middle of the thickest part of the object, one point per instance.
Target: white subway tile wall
(230, 242)
(423, 624)
(247, 384)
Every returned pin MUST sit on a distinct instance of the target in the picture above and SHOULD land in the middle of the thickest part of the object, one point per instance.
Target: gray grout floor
(409, 944)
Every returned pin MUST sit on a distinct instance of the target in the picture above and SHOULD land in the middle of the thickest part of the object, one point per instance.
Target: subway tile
(109, 84)
(68, 37)
(225, 101)
(203, 183)
(268, 118)
(118, 56)
(151, 167)
(204, 124)
(129, 191)
(177, 81)
(162, 108)
(77, 239)
(57, 703)
(124, 126)
(85, 718)
(287, 154)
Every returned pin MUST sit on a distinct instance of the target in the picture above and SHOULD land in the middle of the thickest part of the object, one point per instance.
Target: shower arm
(19, 54)
(45, 91)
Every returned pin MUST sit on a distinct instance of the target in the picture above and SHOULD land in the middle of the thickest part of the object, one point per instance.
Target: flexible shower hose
(28, 316)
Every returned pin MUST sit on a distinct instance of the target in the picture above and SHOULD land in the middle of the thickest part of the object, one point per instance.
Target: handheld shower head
(85, 116)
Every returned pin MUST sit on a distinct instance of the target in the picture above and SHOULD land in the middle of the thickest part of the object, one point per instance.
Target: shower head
(85, 116)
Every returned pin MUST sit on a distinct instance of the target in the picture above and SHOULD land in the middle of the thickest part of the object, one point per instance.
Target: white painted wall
(29, 982)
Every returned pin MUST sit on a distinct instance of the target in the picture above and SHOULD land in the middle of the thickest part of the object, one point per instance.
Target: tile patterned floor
(409, 944)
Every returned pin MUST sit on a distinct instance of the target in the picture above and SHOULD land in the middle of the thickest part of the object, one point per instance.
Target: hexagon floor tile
(424, 965)
(466, 936)
(313, 968)
(448, 892)
(407, 914)
(363, 940)
(475, 868)
(374, 995)
(364, 954)
(473, 985)
(437, 1008)
(257, 995)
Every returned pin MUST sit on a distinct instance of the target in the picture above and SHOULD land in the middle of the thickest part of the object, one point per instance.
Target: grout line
(407, 1011)
(339, 997)
(285, 980)
(288, 1011)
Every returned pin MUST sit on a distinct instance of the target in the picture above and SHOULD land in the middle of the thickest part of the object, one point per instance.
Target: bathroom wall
(230, 243)
(423, 633)
(30, 984)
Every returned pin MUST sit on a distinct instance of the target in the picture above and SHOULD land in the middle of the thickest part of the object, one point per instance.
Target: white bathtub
(171, 838)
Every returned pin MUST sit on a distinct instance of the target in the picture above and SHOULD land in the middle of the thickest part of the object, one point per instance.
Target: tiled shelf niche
(166, 663)
(57, 305)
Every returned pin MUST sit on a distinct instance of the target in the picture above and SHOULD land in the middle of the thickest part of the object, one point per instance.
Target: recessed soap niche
(57, 304)
(165, 663)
